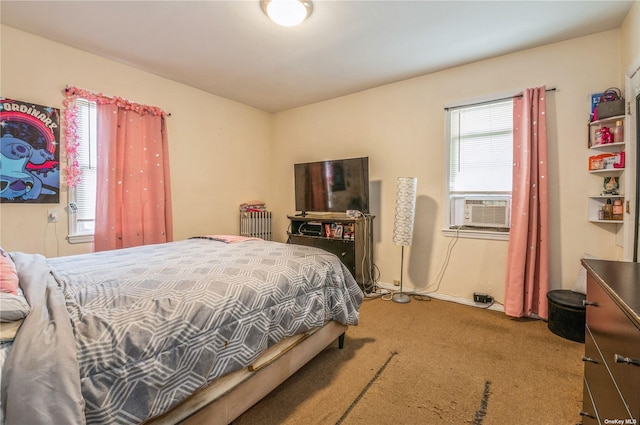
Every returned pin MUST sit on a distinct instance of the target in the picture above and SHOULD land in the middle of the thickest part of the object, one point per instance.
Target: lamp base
(400, 298)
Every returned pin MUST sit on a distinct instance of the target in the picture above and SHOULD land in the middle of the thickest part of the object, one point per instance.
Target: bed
(194, 331)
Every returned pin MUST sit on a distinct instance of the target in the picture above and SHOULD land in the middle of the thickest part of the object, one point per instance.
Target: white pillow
(13, 307)
(8, 330)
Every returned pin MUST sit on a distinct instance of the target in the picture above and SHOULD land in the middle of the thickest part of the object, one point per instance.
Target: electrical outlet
(396, 282)
(482, 298)
(52, 216)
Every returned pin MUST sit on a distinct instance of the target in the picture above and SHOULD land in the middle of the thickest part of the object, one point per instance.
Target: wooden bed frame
(230, 396)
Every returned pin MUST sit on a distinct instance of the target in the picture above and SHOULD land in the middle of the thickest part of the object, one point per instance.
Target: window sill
(476, 234)
(87, 238)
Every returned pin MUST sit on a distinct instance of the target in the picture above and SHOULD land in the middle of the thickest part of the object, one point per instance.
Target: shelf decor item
(611, 104)
(618, 210)
(608, 210)
(618, 132)
(606, 135)
(610, 186)
(403, 224)
(607, 161)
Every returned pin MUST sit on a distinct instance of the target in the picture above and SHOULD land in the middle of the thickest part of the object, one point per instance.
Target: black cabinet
(350, 239)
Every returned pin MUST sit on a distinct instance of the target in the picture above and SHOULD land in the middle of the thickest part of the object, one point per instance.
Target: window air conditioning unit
(487, 212)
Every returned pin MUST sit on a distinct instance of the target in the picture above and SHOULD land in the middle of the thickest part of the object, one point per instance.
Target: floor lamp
(403, 224)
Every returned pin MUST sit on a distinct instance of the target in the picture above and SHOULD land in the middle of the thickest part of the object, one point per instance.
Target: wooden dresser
(612, 343)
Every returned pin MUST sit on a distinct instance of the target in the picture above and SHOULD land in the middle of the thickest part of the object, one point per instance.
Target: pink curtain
(133, 199)
(528, 264)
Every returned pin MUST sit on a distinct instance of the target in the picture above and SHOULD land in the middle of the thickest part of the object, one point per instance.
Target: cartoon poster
(29, 153)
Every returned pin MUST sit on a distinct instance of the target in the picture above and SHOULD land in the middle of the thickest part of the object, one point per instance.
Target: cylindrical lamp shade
(405, 210)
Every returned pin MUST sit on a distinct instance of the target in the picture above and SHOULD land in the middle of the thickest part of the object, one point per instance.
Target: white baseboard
(445, 297)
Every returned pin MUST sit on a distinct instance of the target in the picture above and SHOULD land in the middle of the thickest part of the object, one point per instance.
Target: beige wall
(244, 152)
(220, 150)
(630, 38)
(401, 128)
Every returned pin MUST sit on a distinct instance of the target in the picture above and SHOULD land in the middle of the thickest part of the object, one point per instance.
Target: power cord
(55, 235)
(414, 295)
(419, 296)
(371, 289)
(447, 258)
(491, 304)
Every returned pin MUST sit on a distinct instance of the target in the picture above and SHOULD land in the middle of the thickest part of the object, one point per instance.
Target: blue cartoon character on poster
(29, 153)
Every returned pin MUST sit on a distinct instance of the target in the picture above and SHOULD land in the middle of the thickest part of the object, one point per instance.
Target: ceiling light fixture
(287, 13)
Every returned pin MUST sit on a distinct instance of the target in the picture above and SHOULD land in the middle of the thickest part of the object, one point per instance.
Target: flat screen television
(332, 186)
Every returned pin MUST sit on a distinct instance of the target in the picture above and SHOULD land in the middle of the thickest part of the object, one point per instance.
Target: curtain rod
(491, 101)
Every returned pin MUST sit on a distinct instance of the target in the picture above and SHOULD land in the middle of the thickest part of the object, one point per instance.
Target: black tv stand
(349, 238)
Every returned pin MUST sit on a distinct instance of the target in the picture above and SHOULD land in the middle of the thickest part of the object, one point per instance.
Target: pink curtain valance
(121, 103)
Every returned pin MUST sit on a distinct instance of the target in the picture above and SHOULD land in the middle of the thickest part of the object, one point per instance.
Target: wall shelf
(607, 221)
(598, 201)
(598, 125)
(606, 155)
(607, 170)
(608, 147)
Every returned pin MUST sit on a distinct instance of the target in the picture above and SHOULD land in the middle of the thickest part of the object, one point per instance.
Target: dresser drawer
(613, 333)
(606, 397)
(588, 414)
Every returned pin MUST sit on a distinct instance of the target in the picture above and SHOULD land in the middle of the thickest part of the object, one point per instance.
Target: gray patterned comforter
(153, 324)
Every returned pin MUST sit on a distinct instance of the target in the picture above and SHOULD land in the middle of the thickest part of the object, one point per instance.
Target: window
(82, 197)
(480, 139)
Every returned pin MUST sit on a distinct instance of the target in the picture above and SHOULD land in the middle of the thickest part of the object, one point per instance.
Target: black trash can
(566, 314)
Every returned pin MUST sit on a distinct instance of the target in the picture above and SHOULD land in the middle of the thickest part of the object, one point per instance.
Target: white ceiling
(230, 48)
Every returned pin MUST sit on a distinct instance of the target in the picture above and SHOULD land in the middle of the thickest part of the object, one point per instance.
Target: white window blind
(84, 194)
(481, 148)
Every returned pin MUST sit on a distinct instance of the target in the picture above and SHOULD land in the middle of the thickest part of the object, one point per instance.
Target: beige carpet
(433, 362)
